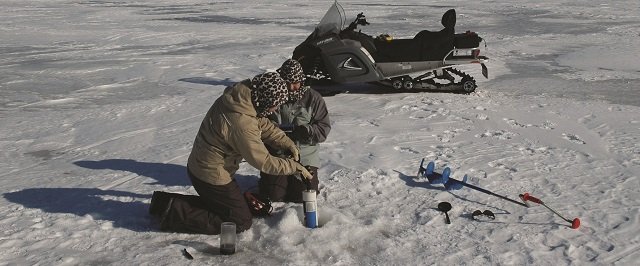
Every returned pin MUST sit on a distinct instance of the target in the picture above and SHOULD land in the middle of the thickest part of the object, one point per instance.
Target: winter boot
(159, 201)
(164, 221)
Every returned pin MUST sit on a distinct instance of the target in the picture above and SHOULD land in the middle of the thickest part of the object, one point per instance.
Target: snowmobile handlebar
(360, 20)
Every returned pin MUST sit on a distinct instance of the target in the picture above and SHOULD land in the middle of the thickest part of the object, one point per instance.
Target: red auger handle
(527, 197)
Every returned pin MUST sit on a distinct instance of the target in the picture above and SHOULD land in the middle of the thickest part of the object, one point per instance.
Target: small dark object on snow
(487, 213)
(445, 207)
(186, 254)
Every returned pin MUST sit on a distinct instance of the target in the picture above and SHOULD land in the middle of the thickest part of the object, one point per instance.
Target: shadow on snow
(124, 209)
(209, 81)
(411, 181)
(164, 174)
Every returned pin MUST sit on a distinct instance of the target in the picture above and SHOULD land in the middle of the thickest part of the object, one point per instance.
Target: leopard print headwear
(291, 71)
(268, 90)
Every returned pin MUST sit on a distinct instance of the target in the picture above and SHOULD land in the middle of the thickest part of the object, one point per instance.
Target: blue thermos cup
(310, 207)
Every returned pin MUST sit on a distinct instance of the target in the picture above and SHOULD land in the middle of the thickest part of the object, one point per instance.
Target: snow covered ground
(101, 100)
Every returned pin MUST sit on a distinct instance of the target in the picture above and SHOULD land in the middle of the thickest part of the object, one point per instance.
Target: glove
(295, 153)
(301, 133)
(301, 170)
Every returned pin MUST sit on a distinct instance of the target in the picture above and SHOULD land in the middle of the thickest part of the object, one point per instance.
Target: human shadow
(163, 173)
(122, 208)
(247, 182)
(209, 81)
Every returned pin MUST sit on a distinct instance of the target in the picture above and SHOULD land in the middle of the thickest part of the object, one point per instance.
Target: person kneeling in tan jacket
(233, 129)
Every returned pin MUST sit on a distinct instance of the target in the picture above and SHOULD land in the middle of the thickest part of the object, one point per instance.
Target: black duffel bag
(466, 40)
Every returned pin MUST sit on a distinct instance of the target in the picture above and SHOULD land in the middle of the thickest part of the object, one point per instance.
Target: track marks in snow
(127, 134)
(501, 147)
(502, 166)
(573, 138)
(516, 124)
(497, 134)
(406, 149)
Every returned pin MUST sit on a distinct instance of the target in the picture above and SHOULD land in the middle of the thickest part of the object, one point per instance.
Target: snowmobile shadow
(89, 204)
(164, 174)
(328, 90)
(332, 90)
(209, 81)
(404, 5)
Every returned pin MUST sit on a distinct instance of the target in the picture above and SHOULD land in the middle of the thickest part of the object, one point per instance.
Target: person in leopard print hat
(268, 91)
(234, 128)
(305, 119)
(291, 71)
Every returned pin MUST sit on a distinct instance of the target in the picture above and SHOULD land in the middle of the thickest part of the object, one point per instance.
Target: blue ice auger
(440, 178)
(454, 184)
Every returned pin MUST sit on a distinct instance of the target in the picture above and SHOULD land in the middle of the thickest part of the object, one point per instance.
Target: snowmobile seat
(435, 45)
(466, 40)
(425, 46)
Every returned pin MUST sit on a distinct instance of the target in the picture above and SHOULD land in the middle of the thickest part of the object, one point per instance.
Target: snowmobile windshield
(333, 20)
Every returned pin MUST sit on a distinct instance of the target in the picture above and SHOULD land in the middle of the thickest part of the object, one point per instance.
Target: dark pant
(203, 214)
(286, 188)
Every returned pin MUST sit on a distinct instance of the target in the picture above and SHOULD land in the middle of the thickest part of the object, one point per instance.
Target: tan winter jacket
(230, 132)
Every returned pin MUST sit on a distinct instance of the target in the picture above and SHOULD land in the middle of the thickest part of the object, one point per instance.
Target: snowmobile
(337, 54)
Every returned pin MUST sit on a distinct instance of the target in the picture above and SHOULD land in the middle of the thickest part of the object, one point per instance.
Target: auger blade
(445, 175)
(430, 168)
(453, 184)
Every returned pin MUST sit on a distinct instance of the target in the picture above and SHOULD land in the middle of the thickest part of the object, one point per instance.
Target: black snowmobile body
(337, 54)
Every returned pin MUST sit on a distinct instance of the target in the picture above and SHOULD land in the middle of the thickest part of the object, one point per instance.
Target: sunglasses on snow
(486, 213)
